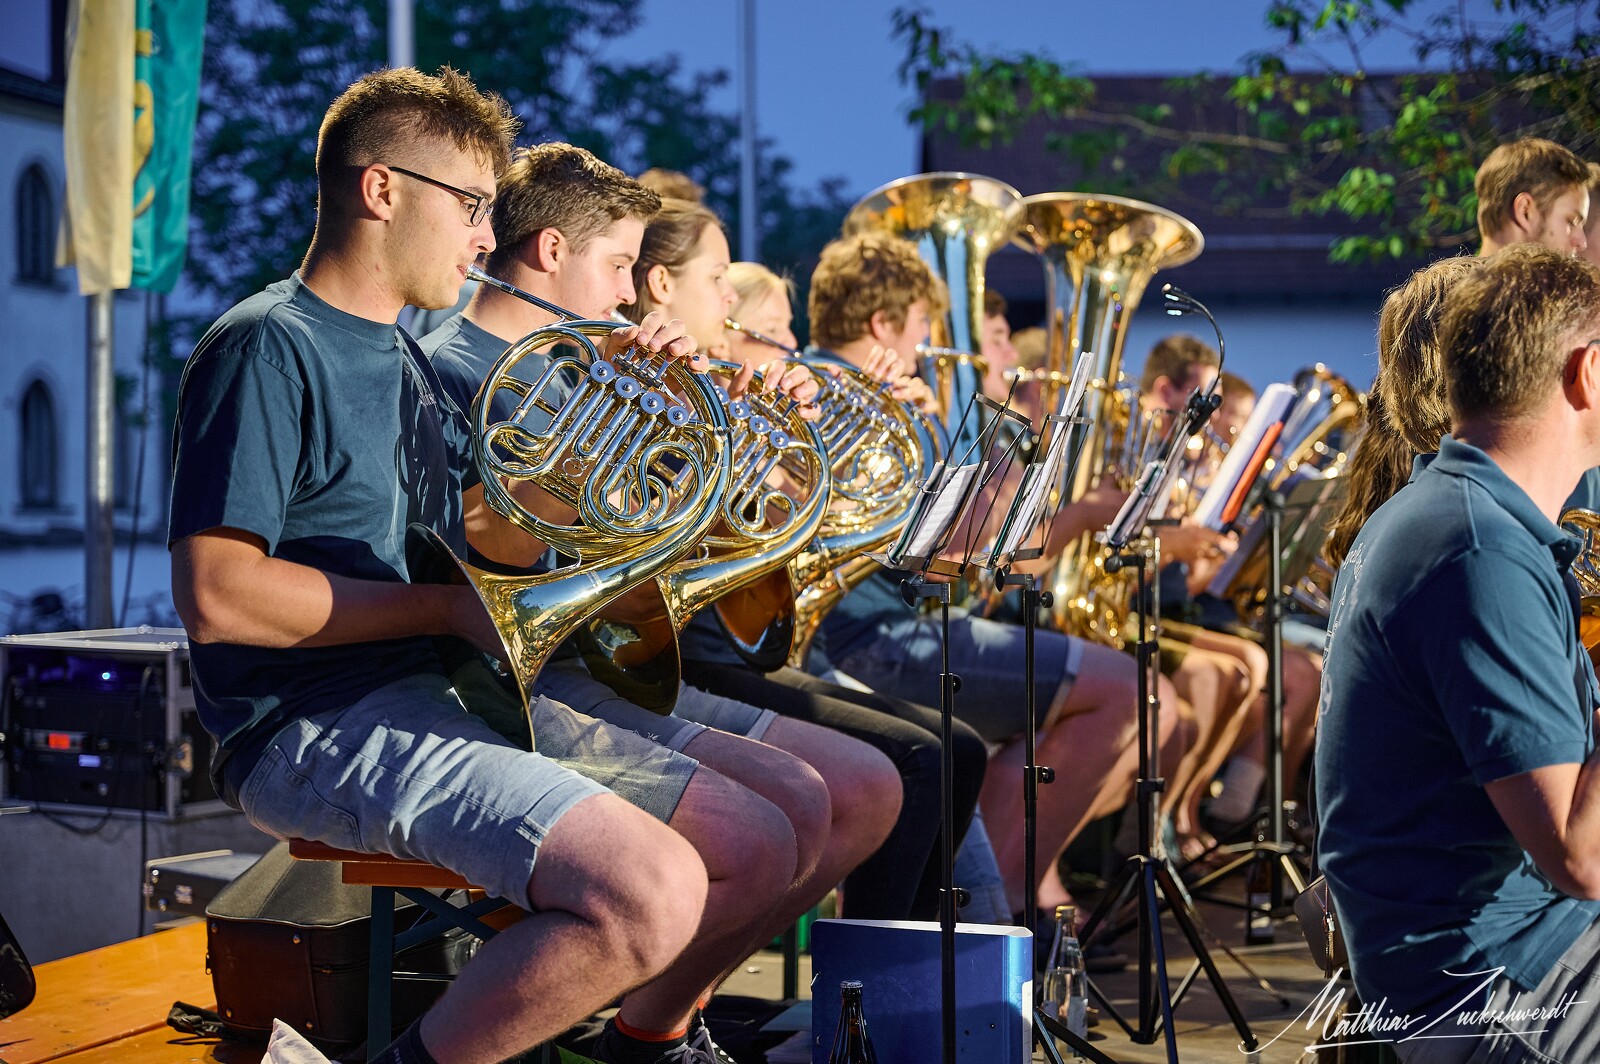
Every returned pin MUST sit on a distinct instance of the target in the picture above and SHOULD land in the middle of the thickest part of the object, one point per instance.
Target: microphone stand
(1148, 872)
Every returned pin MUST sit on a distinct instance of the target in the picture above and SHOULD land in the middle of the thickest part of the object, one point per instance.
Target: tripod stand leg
(1044, 1039)
(1150, 934)
(1047, 1027)
(1292, 872)
(1117, 892)
(1186, 922)
(1217, 875)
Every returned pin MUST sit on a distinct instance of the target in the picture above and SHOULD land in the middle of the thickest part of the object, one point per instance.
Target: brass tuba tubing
(955, 220)
(1099, 254)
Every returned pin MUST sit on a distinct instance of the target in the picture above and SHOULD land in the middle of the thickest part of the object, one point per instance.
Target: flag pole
(749, 230)
(99, 533)
(402, 44)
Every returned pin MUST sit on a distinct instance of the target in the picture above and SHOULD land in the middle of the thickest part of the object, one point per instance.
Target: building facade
(1265, 271)
(43, 360)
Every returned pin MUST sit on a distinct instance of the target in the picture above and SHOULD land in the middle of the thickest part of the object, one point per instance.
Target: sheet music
(1080, 383)
(948, 498)
(1034, 490)
(1032, 495)
(1220, 504)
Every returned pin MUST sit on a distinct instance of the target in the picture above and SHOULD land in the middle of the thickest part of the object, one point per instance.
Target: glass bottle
(850, 1042)
(1066, 983)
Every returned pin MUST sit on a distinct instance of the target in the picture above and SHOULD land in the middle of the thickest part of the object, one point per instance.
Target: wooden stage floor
(109, 1006)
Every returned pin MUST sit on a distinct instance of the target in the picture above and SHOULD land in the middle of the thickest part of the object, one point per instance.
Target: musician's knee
(640, 884)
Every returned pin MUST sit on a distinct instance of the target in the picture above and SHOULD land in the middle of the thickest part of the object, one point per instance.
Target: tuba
(1319, 435)
(636, 449)
(1099, 254)
(956, 220)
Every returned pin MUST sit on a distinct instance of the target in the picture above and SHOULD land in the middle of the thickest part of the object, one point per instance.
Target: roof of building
(23, 87)
(1261, 251)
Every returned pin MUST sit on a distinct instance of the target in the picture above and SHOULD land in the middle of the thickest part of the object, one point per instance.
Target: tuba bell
(1099, 254)
(956, 220)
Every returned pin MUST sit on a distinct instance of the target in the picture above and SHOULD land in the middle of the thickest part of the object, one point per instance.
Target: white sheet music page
(944, 509)
(1266, 418)
(1038, 477)
(1032, 492)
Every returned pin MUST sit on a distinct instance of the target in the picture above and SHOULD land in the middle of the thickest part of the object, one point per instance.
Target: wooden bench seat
(387, 876)
(379, 869)
(103, 997)
(167, 1046)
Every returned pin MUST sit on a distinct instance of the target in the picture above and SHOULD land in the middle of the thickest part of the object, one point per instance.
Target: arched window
(38, 448)
(36, 226)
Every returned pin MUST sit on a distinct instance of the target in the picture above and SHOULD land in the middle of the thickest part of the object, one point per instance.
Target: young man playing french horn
(569, 228)
(310, 434)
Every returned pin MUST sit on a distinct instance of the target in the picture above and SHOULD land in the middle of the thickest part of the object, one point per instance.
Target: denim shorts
(904, 662)
(405, 771)
(723, 714)
(567, 681)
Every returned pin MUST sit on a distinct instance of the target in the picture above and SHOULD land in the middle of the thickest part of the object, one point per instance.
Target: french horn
(637, 450)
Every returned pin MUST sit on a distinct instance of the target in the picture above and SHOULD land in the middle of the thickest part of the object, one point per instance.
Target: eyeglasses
(474, 204)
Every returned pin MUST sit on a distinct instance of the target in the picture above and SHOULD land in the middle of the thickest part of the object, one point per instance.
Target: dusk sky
(827, 91)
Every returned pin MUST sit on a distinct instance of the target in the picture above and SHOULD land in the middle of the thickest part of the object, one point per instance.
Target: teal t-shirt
(1453, 661)
(325, 435)
(464, 353)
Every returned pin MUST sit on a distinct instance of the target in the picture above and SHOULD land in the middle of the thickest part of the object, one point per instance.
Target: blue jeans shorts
(567, 681)
(406, 771)
(903, 662)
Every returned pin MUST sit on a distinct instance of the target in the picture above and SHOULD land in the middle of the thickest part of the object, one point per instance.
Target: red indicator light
(59, 741)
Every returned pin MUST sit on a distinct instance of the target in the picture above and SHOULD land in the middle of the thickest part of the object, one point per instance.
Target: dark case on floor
(288, 940)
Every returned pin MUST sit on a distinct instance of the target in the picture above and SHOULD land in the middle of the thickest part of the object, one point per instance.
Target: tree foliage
(1307, 127)
(272, 67)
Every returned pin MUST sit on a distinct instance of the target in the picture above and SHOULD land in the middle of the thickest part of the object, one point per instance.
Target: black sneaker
(700, 1041)
(614, 1047)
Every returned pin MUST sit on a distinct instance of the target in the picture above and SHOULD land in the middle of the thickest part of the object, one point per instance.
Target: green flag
(166, 95)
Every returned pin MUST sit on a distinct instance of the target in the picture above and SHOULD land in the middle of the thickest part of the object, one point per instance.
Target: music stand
(1147, 872)
(1031, 510)
(945, 502)
(1267, 560)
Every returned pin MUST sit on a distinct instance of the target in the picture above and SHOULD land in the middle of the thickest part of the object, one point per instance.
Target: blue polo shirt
(1453, 661)
(1587, 494)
